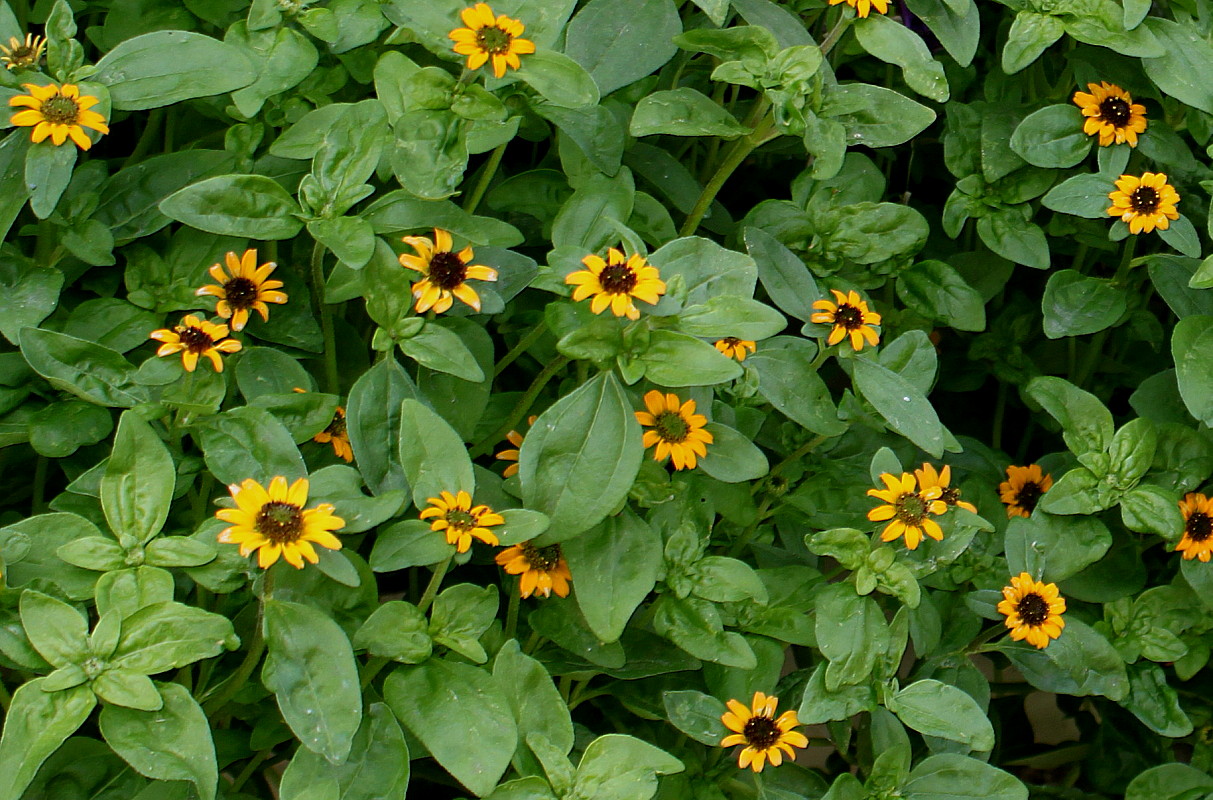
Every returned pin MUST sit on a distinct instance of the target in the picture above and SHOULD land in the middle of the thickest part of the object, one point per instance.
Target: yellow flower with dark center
(543, 569)
(445, 273)
(909, 509)
(928, 479)
(59, 112)
(515, 438)
(23, 55)
(1033, 610)
(765, 736)
(1022, 489)
(337, 435)
(196, 337)
(242, 288)
(460, 520)
(850, 317)
(1197, 541)
(864, 7)
(275, 523)
(487, 37)
(615, 281)
(1145, 203)
(1111, 113)
(736, 348)
(674, 428)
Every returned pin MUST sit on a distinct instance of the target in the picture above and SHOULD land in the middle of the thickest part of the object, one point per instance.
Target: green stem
(38, 499)
(250, 769)
(523, 345)
(325, 312)
(486, 177)
(795, 455)
(511, 613)
(431, 590)
(1095, 349)
(985, 636)
(235, 682)
(5, 698)
(370, 669)
(762, 133)
(744, 539)
(523, 406)
(840, 27)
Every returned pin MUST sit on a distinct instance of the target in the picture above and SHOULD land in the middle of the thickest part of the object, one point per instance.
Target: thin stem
(38, 500)
(5, 698)
(1095, 349)
(840, 27)
(744, 539)
(250, 769)
(486, 177)
(431, 590)
(523, 345)
(989, 633)
(523, 406)
(235, 682)
(762, 133)
(511, 613)
(795, 455)
(370, 669)
(325, 312)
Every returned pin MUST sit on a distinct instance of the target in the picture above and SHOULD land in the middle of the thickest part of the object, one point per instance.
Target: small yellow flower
(928, 479)
(1033, 610)
(445, 273)
(337, 434)
(1145, 203)
(1111, 113)
(487, 37)
(909, 508)
(736, 348)
(460, 520)
(850, 317)
(23, 55)
(543, 569)
(675, 429)
(515, 438)
(58, 112)
(245, 289)
(1197, 541)
(864, 7)
(275, 524)
(765, 736)
(196, 337)
(614, 282)
(1022, 489)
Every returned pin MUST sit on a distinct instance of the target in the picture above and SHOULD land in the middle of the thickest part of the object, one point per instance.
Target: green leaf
(432, 454)
(87, 370)
(36, 724)
(283, 57)
(250, 206)
(1181, 235)
(1075, 304)
(785, 277)
(1083, 195)
(169, 635)
(178, 551)
(675, 359)
(311, 670)
(166, 67)
(727, 315)
(937, 291)
(875, 116)
(1066, 544)
(1080, 662)
(894, 43)
(55, 629)
(28, 295)
(1192, 347)
(396, 630)
(948, 776)
(48, 169)
(820, 704)
(430, 153)
(684, 112)
(1151, 509)
(460, 616)
(696, 714)
(137, 488)
(373, 423)
(590, 219)
(614, 566)
(409, 544)
(732, 457)
(1153, 701)
(955, 24)
(1030, 35)
(706, 268)
(1008, 234)
(851, 633)
(621, 41)
(352, 239)
(533, 697)
(1052, 137)
(248, 443)
(61, 428)
(377, 767)
(1169, 782)
(126, 591)
(787, 380)
(902, 405)
(1086, 423)
(441, 349)
(619, 767)
(40, 563)
(938, 709)
(559, 79)
(695, 626)
(1187, 57)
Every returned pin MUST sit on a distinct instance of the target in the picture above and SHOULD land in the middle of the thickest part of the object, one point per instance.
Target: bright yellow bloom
(274, 523)
(674, 428)
(454, 514)
(1197, 541)
(444, 271)
(1111, 113)
(1033, 610)
(515, 438)
(615, 282)
(736, 348)
(765, 736)
(543, 569)
(488, 37)
(23, 55)
(244, 287)
(1145, 203)
(196, 337)
(928, 479)
(58, 112)
(337, 434)
(1022, 489)
(864, 7)
(909, 509)
(850, 317)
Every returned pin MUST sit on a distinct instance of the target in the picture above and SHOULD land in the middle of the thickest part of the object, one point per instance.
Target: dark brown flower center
(240, 293)
(731, 341)
(671, 427)
(617, 279)
(493, 40)
(21, 56)
(849, 317)
(1144, 199)
(280, 522)
(195, 340)
(1199, 526)
(1033, 609)
(336, 428)
(1028, 496)
(911, 508)
(461, 520)
(542, 559)
(950, 495)
(60, 110)
(1115, 110)
(761, 732)
(447, 270)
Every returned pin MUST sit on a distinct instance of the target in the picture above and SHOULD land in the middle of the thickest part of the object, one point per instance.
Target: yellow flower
(909, 508)
(1111, 112)
(196, 337)
(274, 523)
(515, 438)
(1033, 610)
(454, 514)
(615, 282)
(243, 288)
(338, 435)
(675, 429)
(850, 317)
(736, 348)
(23, 55)
(487, 37)
(1022, 489)
(1197, 541)
(58, 112)
(1145, 203)
(444, 271)
(765, 736)
(928, 479)
(864, 7)
(543, 569)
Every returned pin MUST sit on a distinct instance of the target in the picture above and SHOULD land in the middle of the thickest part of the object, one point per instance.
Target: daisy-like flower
(487, 37)
(928, 479)
(909, 509)
(335, 433)
(515, 438)
(765, 736)
(736, 348)
(1197, 541)
(23, 55)
(244, 287)
(615, 281)
(196, 337)
(445, 272)
(543, 569)
(460, 520)
(274, 522)
(58, 111)
(864, 7)
(850, 317)
(1033, 610)
(1022, 489)
(1111, 113)
(1145, 203)
(674, 428)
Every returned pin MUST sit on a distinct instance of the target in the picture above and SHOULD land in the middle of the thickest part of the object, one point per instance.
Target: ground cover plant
(556, 400)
